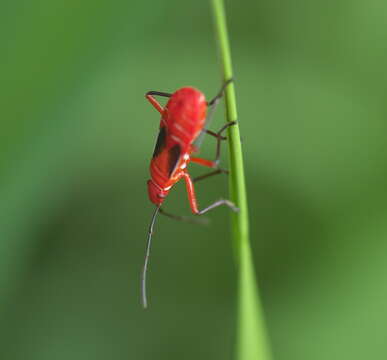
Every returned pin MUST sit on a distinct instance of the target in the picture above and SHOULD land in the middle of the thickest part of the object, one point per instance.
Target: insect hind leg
(220, 202)
(189, 219)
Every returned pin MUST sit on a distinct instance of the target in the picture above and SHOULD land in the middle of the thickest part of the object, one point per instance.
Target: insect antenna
(147, 253)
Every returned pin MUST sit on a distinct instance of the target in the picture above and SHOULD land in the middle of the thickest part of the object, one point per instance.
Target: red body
(182, 120)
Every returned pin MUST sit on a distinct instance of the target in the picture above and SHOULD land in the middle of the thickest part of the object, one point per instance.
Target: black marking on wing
(161, 142)
(174, 156)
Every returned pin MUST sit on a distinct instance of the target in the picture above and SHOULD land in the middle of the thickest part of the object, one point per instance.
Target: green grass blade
(252, 341)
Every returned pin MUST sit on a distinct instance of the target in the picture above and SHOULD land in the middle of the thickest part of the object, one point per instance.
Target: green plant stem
(252, 343)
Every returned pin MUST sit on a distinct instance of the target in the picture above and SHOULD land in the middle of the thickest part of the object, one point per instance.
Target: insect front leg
(193, 202)
(149, 95)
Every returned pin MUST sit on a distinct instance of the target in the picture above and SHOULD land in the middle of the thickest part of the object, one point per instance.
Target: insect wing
(210, 115)
(160, 142)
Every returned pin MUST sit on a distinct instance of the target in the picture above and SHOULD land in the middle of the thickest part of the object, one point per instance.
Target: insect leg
(219, 137)
(159, 93)
(220, 202)
(204, 162)
(219, 140)
(149, 95)
(193, 202)
(219, 95)
(214, 134)
(212, 173)
(201, 221)
(210, 164)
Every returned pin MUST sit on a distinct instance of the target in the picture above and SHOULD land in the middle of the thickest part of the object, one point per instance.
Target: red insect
(183, 119)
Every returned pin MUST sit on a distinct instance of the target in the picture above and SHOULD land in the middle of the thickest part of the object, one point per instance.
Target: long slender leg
(210, 164)
(203, 162)
(159, 93)
(193, 203)
(211, 111)
(219, 140)
(154, 102)
(201, 221)
(214, 134)
(224, 127)
(213, 103)
(215, 163)
(220, 93)
(219, 137)
(212, 173)
(220, 202)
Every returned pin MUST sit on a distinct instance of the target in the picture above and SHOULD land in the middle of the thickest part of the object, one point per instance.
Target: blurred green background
(76, 140)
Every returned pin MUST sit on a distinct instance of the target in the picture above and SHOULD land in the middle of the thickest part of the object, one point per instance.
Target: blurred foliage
(76, 138)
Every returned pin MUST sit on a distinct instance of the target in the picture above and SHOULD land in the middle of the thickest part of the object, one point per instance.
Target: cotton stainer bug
(182, 121)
